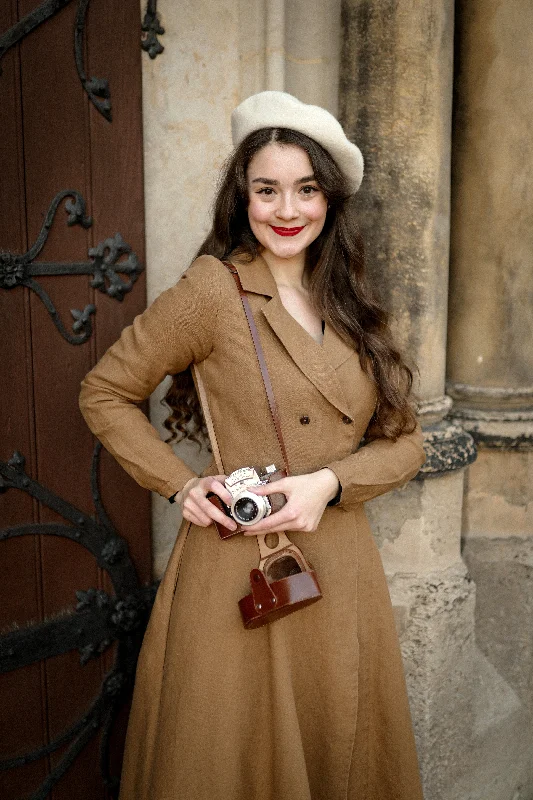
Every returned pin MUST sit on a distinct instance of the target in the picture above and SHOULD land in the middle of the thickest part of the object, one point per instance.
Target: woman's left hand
(307, 497)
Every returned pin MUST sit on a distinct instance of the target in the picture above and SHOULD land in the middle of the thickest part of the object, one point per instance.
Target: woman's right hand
(196, 507)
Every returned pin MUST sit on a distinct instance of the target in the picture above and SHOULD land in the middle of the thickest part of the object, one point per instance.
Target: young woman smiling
(312, 706)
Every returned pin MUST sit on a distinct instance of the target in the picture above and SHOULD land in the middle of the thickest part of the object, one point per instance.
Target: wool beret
(282, 110)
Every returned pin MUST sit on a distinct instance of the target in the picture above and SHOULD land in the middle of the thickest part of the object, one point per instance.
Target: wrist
(178, 496)
(331, 484)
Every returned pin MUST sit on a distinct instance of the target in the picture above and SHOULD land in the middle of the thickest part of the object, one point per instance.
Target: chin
(285, 247)
(286, 252)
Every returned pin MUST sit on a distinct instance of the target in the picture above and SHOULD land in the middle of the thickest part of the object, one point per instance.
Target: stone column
(312, 45)
(490, 340)
(291, 46)
(490, 358)
(395, 103)
(275, 45)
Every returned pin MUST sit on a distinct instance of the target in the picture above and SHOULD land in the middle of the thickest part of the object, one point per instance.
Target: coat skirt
(314, 705)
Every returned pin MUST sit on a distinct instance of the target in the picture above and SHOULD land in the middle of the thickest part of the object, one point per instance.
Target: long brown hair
(336, 280)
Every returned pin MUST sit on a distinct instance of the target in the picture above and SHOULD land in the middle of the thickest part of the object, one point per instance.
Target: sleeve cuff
(335, 500)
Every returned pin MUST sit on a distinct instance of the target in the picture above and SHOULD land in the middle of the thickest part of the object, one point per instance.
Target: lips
(287, 231)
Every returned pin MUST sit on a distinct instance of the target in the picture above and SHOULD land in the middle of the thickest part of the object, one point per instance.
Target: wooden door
(74, 528)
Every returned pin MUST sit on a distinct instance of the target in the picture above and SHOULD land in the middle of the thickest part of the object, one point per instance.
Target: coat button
(305, 420)
(347, 420)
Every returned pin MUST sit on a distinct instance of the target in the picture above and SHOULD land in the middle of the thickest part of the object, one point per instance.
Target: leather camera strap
(202, 393)
(262, 364)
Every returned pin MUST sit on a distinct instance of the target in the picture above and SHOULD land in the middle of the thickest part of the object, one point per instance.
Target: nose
(287, 208)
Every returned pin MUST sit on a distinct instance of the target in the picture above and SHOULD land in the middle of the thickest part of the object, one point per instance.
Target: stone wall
(446, 194)
(448, 181)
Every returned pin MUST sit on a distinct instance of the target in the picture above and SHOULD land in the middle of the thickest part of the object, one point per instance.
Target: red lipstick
(287, 231)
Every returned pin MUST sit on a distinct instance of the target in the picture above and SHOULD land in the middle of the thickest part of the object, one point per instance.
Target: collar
(255, 276)
(317, 362)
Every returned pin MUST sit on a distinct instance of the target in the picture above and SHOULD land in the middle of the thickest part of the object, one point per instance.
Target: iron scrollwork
(97, 621)
(110, 259)
(97, 89)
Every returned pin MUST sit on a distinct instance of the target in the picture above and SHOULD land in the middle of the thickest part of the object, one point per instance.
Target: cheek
(317, 210)
(258, 211)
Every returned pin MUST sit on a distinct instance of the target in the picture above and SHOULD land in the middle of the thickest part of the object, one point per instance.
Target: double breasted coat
(312, 706)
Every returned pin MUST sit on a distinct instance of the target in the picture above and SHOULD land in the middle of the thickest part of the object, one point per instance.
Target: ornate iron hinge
(97, 620)
(97, 89)
(106, 267)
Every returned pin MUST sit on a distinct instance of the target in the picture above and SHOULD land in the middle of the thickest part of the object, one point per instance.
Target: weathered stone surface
(469, 720)
(418, 527)
(395, 103)
(490, 341)
(503, 572)
(499, 497)
(439, 649)
(312, 42)
(448, 447)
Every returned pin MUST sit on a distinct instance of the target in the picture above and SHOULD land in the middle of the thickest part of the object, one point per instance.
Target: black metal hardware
(97, 621)
(97, 89)
(28, 23)
(152, 28)
(19, 270)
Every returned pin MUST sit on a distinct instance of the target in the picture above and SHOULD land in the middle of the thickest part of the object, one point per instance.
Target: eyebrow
(270, 182)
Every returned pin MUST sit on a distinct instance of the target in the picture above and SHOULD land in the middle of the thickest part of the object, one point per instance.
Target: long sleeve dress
(312, 706)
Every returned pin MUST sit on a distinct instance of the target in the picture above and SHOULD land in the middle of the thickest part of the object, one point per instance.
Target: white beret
(282, 110)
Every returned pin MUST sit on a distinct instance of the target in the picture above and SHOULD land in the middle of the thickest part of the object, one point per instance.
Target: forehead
(280, 159)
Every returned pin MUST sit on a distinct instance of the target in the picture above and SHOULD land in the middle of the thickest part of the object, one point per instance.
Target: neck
(286, 271)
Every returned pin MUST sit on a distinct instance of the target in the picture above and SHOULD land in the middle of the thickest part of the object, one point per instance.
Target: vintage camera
(246, 507)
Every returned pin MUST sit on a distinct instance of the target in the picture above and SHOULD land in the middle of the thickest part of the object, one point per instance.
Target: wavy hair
(337, 282)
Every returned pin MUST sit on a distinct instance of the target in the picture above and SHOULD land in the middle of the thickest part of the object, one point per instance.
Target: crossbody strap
(262, 364)
(202, 393)
(204, 402)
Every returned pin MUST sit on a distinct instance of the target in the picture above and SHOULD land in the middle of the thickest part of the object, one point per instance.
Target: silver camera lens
(249, 508)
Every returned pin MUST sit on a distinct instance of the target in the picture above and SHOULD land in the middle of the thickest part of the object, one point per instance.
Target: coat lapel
(317, 362)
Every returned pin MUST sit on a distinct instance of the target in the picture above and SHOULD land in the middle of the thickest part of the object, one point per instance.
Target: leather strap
(202, 394)
(262, 364)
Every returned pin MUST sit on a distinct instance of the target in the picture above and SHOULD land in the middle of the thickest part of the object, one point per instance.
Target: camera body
(246, 507)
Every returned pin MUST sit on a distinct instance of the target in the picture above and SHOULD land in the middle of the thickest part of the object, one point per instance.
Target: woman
(312, 706)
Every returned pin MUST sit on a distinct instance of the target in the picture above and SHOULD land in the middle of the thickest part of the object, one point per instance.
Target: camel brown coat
(313, 706)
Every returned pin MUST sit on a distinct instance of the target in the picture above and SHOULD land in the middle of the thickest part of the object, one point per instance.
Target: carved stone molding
(448, 448)
(432, 411)
(496, 417)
